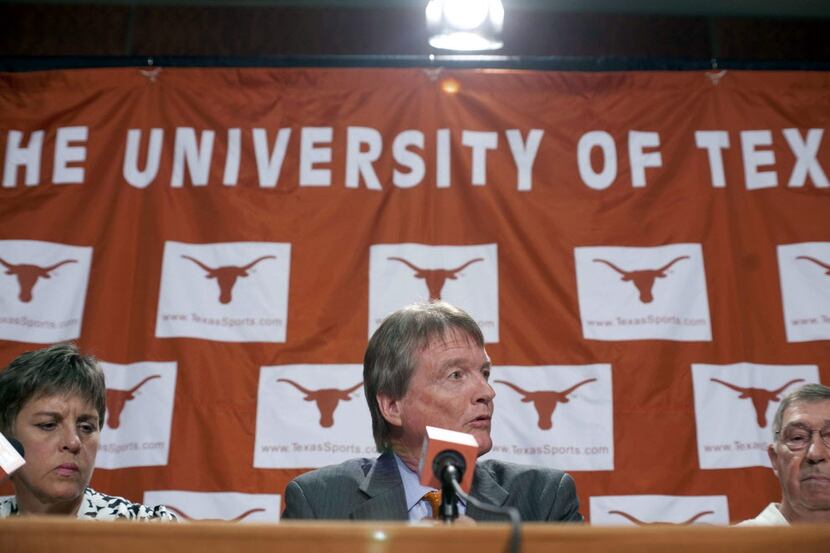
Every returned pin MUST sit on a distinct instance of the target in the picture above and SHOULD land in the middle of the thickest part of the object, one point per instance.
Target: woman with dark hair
(53, 401)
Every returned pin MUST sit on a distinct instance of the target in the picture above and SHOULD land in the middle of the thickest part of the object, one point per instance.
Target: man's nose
(817, 450)
(485, 392)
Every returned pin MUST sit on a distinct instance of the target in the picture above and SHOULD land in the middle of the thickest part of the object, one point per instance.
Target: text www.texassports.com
(131, 446)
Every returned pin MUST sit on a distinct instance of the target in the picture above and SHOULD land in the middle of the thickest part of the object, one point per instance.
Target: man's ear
(390, 409)
(773, 458)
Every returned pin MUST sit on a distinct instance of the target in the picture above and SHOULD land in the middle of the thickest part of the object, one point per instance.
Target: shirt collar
(413, 489)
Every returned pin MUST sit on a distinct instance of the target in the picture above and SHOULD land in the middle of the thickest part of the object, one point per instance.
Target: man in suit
(426, 366)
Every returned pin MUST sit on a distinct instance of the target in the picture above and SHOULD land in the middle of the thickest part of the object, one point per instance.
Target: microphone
(445, 457)
(449, 467)
(11, 457)
(447, 462)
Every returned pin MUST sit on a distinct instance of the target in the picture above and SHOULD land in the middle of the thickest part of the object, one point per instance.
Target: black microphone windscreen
(17, 446)
(446, 458)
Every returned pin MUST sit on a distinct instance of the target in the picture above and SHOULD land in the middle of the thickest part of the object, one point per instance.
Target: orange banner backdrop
(647, 254)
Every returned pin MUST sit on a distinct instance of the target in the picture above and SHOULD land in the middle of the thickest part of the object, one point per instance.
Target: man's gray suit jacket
(371, 489)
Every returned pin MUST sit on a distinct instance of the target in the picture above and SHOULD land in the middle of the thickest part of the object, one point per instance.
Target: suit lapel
(486, 489)
(384, 492)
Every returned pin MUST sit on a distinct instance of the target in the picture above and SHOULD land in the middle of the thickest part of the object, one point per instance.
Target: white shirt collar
(413, 489)
(417, 507)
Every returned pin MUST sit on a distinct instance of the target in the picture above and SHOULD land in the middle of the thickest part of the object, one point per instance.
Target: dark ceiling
(641, 31)
(753, 8)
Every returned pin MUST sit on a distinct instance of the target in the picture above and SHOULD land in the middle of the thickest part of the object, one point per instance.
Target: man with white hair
(800, 457)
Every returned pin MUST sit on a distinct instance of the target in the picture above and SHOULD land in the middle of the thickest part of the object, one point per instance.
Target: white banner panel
(43, 288)
(465, 276)
(311, 416)
(554, 415)
(215, 506)
(643, 293)
(139, 416)
(734, 408)
(229, 292)
(805, 290)
(645, 510)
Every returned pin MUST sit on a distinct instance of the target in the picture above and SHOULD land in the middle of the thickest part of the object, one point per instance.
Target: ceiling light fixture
(465, 25)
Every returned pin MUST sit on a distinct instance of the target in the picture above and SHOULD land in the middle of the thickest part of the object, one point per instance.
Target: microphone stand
(511, 512)
(449, 466)
(449, 498)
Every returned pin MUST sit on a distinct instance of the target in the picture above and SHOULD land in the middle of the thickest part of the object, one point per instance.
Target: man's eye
(798, 438)
(46, 425)
(455, 375)
(87, 428)
(486, 374)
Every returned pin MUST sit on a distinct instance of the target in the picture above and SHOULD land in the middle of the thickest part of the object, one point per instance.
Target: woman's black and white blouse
(101, 507)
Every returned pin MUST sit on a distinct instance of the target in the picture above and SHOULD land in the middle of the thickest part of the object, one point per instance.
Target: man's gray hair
(809, 393)
(57, 370)
(392, 353)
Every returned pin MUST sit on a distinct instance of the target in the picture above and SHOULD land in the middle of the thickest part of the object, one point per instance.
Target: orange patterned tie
(434, 498)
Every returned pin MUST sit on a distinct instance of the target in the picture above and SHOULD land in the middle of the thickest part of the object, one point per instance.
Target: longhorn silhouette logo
(545, 401)
(821, 264)
(227, 275)
(28, 275)
(117, 400)
(435, 278)
(759, 396)
(639, 522)
(327, 399)
(244, 515)
(643, 279)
